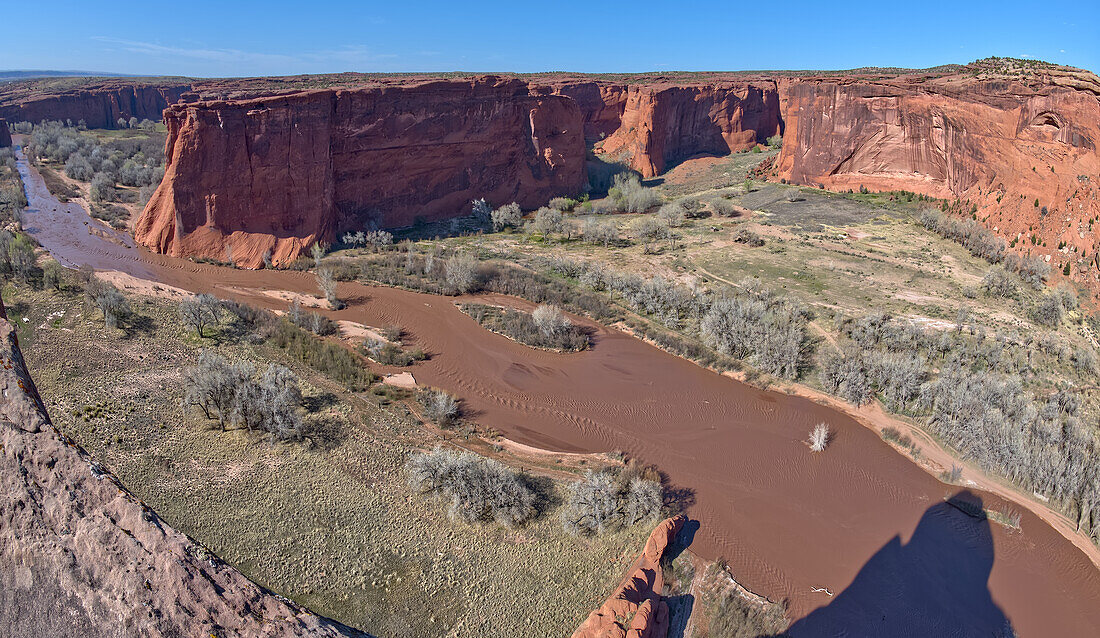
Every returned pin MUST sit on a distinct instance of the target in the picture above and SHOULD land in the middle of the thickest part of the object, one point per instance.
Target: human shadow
(934, 585)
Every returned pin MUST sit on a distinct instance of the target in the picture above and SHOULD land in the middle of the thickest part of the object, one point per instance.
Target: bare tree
(819, 438)
(479, 489)
(199, 311)
(550, 320)
(440, 406)
(326, 281)
(507, 216)
(461, 272)
(593, 505)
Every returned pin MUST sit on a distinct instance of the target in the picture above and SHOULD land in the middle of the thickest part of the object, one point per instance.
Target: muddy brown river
(859, 520)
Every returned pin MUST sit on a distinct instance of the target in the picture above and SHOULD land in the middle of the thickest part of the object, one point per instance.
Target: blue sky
(228, 38)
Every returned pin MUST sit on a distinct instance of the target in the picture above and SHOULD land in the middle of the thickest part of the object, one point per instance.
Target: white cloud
(347, 55)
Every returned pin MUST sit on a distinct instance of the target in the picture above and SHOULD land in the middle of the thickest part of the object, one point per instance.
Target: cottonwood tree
(548, 220)
(672, 214)
(199, 311)
(233, 394)
(643, 500)
(326, 281)
(460, 272)
(550, 320)
(109, 301)
(478, 489)
(592, 507)
(507, 216)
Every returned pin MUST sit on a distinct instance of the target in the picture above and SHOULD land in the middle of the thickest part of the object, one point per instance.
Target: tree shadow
(934, 585)
(324, 432)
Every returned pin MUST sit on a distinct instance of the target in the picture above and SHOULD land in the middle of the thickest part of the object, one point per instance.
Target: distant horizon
(277, 38)
(31, 74)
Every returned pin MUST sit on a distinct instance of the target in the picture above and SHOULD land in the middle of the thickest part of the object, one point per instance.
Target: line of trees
(970, 387)
(130, 162)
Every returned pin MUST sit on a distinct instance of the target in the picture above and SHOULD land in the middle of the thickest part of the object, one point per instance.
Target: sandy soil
(786, 520)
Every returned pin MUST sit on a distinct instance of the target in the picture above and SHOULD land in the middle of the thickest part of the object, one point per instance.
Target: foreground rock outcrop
(636, 608)
(275, 174)
(80, 556)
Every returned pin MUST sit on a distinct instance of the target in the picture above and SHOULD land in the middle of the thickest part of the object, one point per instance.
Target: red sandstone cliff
(636, 609)
(279, 173)
(81, 556)
(663, 124)
(5, 134)
(653, 124)
(998, 143)
(100, 103)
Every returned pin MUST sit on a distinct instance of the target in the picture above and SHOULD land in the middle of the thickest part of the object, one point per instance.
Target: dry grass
(332, 525)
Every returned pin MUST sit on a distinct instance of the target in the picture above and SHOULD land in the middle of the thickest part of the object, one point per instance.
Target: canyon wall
(100, 104)
(5, 134)
(80, 556)
(1022, 155)
(661, 125)
(276, 174)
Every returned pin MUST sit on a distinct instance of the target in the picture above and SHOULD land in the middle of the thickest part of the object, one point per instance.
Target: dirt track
(859, 519)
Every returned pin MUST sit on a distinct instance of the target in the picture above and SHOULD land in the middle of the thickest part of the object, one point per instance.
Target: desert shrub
(1049, 310)
(997, 282)
(980, 241)
(330, 359)
(563, 204)
(389, 353)
(748, 237)
(507, 216)
(733, 616)
(479, 489)
(440, 406)
(546, 327)
(1032, 270)
(722, 207)
(1084, 360)
(629, 196)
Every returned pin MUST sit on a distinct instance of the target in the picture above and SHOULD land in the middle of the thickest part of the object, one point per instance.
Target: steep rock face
(663, 124)
(1023, 153)
(5, 134)
(81, 556)
(649, 126)
(99, 105)
(276, 174)
(638, 597)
